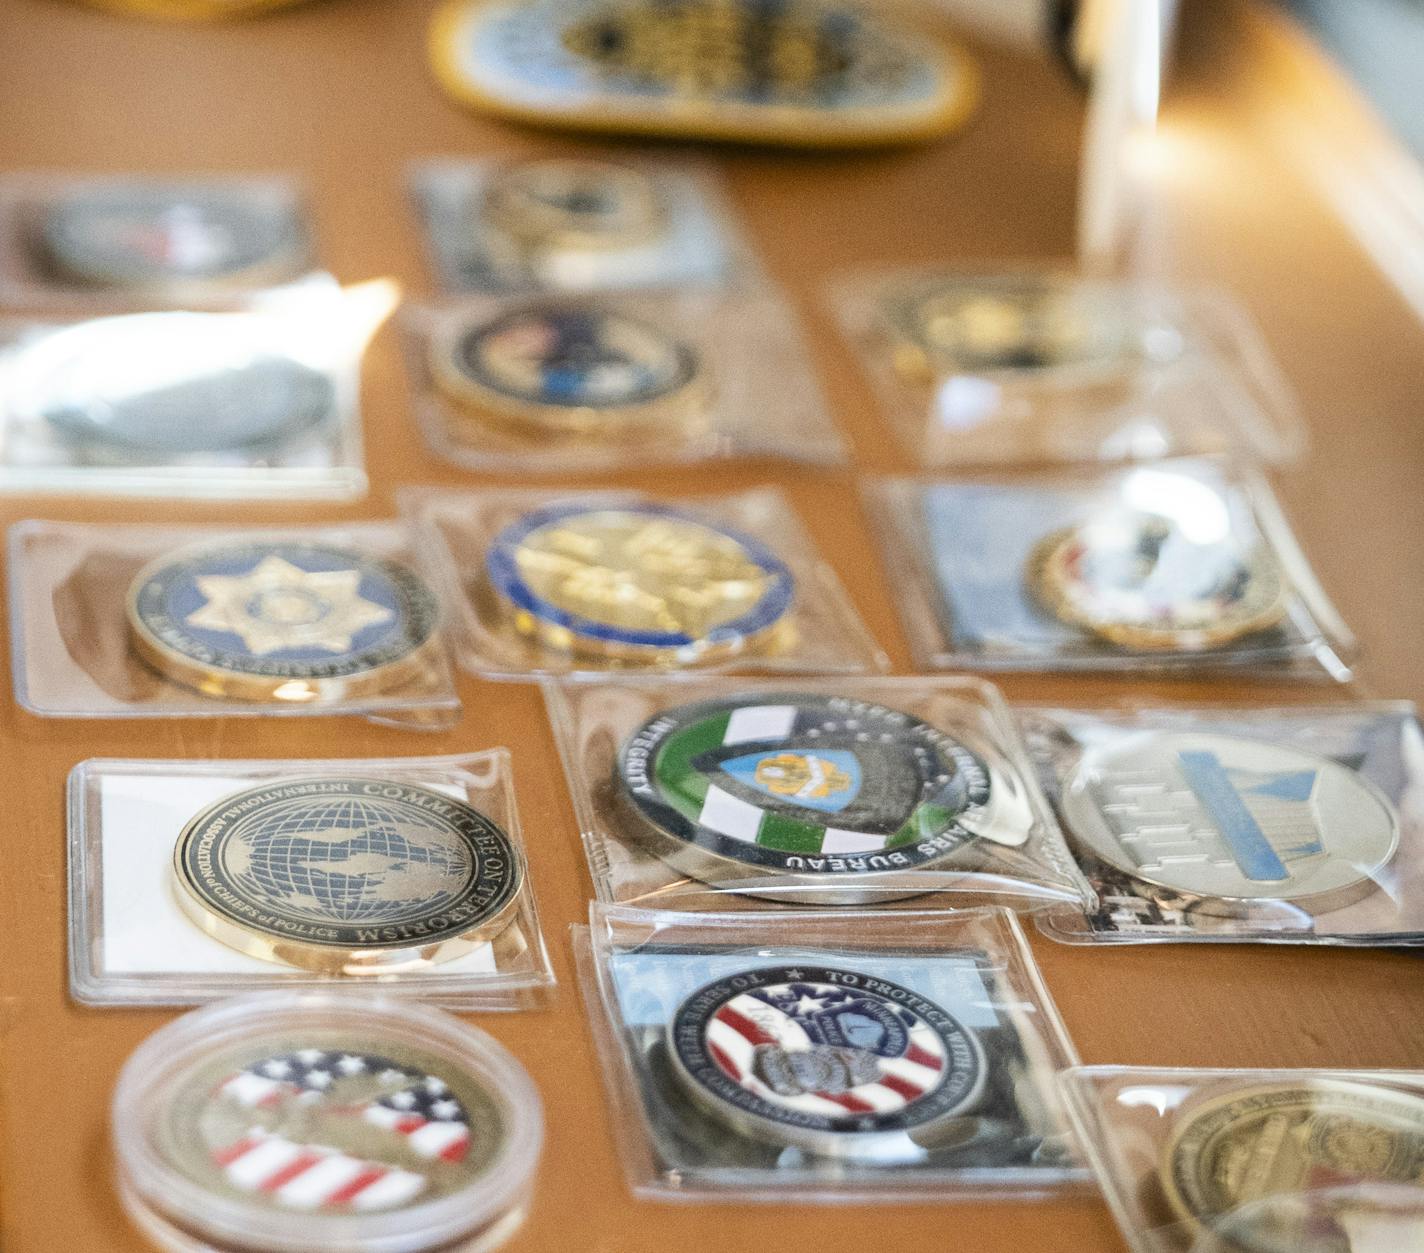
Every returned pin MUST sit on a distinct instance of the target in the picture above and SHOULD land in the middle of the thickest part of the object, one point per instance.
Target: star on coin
(278, 605)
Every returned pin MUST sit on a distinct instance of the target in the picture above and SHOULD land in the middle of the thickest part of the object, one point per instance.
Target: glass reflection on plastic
(152, 621)
(1026, 366)
(261, 401)
(558, 384)
(690, 241)
(176, 899)
(132, 242)
(827, 1058)
(1290, 825)
(1188, 565)
(544, 584)
(732, 794)
(1255, 1161)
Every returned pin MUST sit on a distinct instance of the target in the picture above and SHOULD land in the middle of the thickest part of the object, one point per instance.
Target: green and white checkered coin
(825, 790)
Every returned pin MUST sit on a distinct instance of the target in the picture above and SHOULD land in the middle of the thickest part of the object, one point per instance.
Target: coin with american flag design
(325, 1129)
(831, 1060)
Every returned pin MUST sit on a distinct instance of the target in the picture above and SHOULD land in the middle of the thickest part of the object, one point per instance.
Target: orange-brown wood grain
(338, 92)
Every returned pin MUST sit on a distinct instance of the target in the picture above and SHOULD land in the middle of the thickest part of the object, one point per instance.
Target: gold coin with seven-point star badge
(281, 620)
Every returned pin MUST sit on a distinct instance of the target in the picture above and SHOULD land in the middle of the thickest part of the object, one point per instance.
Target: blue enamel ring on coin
(639, 582)
(570, 368)
(830, 1060)
(282, 620)
(816, 798)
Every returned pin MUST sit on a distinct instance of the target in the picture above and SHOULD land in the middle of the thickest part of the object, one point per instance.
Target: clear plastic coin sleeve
(324, 1122)
(1265, 1161)
(736, 794)
(523, 401)
(171, 250)
(545, 583)
(1026, 367)
(194, 880)
(122, 621)
(827, 1058)
(1183, 566)
(1299, 825)
(695, 242)
(258, 401)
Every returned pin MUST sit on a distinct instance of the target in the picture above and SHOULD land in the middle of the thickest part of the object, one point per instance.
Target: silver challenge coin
(1232, 822)
(170, 385)
(146, 237)
(832, 1061)
(820, 798)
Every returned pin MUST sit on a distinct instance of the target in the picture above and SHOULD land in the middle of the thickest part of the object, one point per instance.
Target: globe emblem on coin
(348, 874)
(349, 860)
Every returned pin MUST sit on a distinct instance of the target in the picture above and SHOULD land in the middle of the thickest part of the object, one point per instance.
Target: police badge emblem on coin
(820, 796)
(281, 620)
(1143, 581)
(575, 204)
(347, 875)
(1297, 1136)
(1231, 822)
(158, 237)
(570, 368)
(638, 582)
(833, 1061)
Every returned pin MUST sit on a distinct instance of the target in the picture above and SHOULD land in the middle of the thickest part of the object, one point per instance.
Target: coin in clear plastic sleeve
(1145, 581)
(573, 203)
(155, 237)
(1014, 323)
(1243, 1165)
(170, 385)
(641, 582)
(347, 875)
(822, 797)
(1231, 822)
(571, 368)
(829, 1060)
(304, 1123)
(282, 620)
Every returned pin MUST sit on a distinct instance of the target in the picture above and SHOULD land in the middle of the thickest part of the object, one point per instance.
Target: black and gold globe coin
(347, 875)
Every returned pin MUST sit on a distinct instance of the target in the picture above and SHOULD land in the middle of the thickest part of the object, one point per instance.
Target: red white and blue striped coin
(329, 1130)
(830, 1060)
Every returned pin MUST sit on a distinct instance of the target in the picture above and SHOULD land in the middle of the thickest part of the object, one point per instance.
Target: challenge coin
(571, 368)
(575, 204)
(1139, 581)
(640, 582)
(1231, 822)
(1024, 323)
(834, 794)
(145, 237)
(170, 385)
(833, 1061)
(1229, 1156)
(324, 1123)
(281, 620)
(347, 875)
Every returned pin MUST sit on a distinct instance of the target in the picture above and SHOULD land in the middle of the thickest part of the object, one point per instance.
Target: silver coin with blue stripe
(1230, 821)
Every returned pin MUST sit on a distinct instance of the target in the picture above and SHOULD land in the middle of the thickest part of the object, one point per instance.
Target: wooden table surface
(338, 92)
